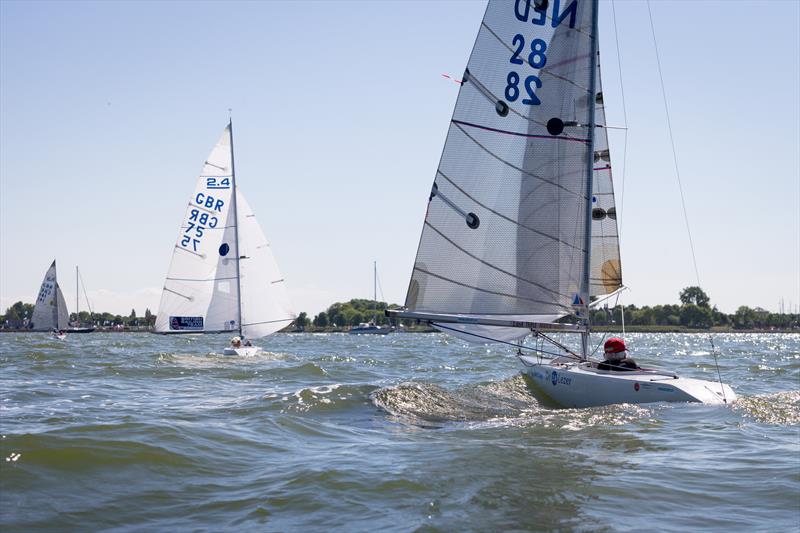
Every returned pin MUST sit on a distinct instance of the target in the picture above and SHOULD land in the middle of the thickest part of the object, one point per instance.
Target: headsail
(606, 269)
(201, 289)
(265, 302)
(504, 235)
(50, 310)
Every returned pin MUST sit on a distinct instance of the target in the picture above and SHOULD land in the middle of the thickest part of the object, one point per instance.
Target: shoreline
(598, 329)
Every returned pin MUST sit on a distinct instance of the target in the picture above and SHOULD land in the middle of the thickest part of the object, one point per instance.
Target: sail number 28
(536, 59)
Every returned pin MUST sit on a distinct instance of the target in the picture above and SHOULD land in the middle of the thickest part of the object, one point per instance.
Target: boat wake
(475, 402)
(779, 408)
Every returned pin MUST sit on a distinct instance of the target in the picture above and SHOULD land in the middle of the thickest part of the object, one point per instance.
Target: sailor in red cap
(617, 356)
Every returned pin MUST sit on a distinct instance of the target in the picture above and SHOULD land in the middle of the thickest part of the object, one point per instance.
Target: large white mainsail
(222, 276)
(50, 310)
(505, 232)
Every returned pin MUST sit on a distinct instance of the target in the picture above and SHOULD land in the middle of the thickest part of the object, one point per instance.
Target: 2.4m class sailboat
(223, 277)
(521, 226)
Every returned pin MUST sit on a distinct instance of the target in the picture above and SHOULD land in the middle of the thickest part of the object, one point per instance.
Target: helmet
(615, 348)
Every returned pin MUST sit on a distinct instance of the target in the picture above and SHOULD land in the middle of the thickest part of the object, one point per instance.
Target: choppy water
(410, 432)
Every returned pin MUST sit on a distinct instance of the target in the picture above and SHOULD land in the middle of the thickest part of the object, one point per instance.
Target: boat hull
(580, 384)
(243, 351)
(80, 330)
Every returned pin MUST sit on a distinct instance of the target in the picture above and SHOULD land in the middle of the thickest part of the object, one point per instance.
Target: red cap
(614, 345)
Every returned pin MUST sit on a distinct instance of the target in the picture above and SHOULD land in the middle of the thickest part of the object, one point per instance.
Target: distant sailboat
(372, 327)
(223, 277)
(76, 328)
(521, 225)
(50, 311)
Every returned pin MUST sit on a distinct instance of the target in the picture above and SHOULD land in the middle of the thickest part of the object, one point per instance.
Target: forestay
(504, 234)
(50, 310)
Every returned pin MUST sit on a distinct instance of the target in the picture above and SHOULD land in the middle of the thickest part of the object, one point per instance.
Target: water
(409, 432)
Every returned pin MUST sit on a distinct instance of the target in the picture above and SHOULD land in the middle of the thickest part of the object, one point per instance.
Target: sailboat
(77, 327)
(50, 311)
(223, 277)
(521, 226)
(372, 327)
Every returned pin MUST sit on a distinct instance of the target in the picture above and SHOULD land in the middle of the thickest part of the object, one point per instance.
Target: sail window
(555, 126)
(612, 213)
(502, 108)
(602, 155)
(224, 249)
(540, 5)
(598, 213)
(473, 221)
(598, 98)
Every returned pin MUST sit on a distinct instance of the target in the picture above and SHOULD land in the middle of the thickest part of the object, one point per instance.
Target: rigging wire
(519, 347)
(672, 142)
(624, 119)
(680, 186)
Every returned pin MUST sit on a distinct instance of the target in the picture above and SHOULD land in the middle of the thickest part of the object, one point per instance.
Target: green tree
(694, 295)
(321, 320)
(695, 316)
(301, 321)
(744, 318)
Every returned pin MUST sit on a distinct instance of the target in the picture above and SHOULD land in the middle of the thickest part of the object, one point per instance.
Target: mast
(77, 296)
(236, 230)
(587, 237)
(375, 292)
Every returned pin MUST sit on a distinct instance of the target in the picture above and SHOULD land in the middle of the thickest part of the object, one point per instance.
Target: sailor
(236, 342)
(617, 356)
(247, 342)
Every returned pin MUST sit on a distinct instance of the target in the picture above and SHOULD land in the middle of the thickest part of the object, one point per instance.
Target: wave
(777, 408)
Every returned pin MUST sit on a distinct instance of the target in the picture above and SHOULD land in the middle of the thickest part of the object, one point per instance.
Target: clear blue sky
(108, 110)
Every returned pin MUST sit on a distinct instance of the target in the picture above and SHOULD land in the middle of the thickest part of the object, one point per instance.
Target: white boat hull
(243, 351)
(579, 384)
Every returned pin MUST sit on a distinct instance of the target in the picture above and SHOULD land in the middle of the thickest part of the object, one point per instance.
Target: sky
(109, 109)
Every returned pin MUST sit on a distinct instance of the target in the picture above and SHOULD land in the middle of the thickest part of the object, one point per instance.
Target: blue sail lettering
(540, 11)
(522, 16)
(558, 17)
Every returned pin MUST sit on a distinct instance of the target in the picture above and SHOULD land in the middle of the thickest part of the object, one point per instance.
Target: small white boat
(244, 351)
(370, 328)
(223, 277)
(521, 225)
(59, 335)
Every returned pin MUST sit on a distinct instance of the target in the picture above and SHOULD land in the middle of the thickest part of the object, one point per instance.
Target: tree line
(19, 314)
(693, 312)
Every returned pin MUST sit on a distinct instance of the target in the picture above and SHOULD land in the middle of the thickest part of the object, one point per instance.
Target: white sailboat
(372, 327)
(521, 224)
(223, 277)
(50, 311)
(77, 328)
